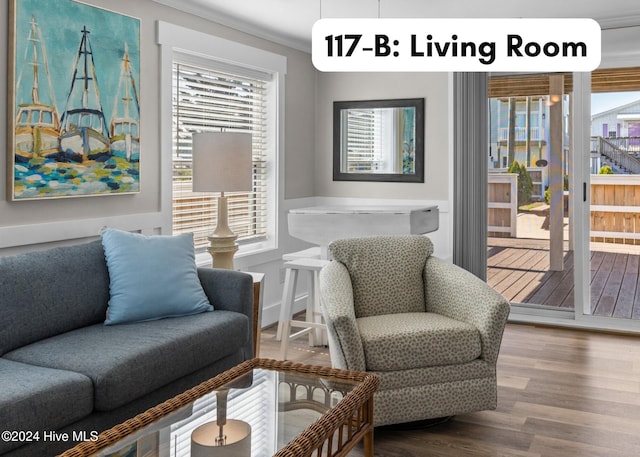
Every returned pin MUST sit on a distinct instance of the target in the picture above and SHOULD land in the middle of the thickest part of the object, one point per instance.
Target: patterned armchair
(429, 329)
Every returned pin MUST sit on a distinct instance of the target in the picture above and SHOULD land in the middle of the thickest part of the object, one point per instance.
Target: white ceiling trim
(237, 24)
(619, 22)
(292, 39)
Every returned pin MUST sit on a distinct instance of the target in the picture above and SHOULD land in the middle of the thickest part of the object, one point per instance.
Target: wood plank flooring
(561, 393)
(519, 269)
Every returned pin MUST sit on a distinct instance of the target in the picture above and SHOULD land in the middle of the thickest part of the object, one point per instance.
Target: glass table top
(255, 414)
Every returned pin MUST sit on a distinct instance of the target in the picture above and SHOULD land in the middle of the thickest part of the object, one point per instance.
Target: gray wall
(374, 86)
(299, 137)
(29, 225)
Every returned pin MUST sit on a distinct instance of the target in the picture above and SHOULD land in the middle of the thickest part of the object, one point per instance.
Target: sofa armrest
(336, 296)
(230, 290)
(456, 293)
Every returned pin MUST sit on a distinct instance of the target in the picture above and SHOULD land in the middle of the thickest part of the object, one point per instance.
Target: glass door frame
(582, 207)
(579, 193)
(550, 313)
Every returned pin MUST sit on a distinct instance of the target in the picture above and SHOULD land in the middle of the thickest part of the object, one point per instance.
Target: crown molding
(619, 22)
(237, 24)
(282, 38)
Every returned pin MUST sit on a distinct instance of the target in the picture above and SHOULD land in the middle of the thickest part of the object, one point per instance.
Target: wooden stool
(311, 253)
(312, 325)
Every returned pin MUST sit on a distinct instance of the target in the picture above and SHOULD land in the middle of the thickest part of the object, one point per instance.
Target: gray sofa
(63, 370)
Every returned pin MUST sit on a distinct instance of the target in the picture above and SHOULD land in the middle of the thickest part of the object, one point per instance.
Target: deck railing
(615, 208)
(520, 134)
(630, 144)
(502, 197)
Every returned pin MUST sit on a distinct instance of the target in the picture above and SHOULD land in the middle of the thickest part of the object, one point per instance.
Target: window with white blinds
(214, 99)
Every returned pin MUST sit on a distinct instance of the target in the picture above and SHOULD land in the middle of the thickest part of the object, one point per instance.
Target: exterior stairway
(620, 160)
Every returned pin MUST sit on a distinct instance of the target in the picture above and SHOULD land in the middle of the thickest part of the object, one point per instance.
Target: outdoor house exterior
(519, 131)
(622, 121)
(616, 133)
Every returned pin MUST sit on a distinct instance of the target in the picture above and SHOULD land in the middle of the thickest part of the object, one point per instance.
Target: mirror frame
(417, 103)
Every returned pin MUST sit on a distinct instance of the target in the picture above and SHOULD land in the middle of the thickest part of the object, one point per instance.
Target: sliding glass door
(564, 195)
(530, 255)
(614, 185)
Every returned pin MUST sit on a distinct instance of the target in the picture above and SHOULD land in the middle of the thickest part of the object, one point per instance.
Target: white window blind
(213, 100)
(363, 127)
(255, 406)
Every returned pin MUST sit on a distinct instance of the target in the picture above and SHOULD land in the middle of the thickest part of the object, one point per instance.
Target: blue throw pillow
(151, 277)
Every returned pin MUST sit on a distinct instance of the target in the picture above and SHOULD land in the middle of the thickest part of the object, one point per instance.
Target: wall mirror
(378, 140)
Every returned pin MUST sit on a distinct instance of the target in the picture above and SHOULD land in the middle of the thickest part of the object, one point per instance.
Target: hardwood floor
(519, 269)
(561, 393)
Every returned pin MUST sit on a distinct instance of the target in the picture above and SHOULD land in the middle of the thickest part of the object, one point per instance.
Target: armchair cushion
(407, 341)
(391, 280)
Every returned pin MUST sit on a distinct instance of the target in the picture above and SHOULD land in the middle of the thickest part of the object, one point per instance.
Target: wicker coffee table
(271, 407)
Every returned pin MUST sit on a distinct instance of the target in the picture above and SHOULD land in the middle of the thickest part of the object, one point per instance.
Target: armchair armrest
(456, 293)
(230, 290)
(336, 297)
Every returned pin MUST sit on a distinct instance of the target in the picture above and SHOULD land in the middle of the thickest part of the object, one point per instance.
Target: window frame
(177, 42)
(189, 65)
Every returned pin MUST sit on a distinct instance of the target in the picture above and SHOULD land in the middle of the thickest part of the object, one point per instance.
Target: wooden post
(556, 170)
(511, 149)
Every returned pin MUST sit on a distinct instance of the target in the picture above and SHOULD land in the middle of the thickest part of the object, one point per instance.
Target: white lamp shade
(222, 162)
(238, 442)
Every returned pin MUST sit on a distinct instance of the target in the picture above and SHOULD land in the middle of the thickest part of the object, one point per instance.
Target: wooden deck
(519, 269)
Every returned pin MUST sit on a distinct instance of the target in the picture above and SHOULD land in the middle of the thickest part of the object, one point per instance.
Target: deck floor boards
(519, 269)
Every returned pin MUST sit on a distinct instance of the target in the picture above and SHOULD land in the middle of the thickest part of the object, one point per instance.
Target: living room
(301, 165)
(300, 177)
(303, 175)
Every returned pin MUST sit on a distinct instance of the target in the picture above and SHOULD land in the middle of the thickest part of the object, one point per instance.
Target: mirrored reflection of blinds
(363, 127)
(208, 100)
(254, 406)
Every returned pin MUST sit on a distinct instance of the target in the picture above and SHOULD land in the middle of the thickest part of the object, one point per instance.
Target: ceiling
(289, 22)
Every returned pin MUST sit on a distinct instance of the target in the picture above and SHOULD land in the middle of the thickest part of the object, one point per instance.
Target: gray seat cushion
(407, 341)
(130, 360)
(35, 399)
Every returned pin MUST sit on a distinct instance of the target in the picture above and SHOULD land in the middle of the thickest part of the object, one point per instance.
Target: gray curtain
(470, 127)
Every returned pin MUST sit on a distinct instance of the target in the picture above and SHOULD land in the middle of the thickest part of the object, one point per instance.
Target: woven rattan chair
(429, 329)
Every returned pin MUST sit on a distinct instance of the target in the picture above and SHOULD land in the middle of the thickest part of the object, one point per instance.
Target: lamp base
(222, 240)
(222, 250)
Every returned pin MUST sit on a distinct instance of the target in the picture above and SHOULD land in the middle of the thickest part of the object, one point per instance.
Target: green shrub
(547, 194)
(605, 170)
(525, 185)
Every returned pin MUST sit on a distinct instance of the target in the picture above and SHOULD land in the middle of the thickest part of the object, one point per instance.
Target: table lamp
(222, 162)
(224, 437)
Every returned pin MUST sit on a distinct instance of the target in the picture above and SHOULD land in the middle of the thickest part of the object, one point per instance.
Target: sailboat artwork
(123, 131)
(90, 144)
(37, 124)
(84, 129)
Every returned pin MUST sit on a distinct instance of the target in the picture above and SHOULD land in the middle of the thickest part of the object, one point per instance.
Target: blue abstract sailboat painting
(76, 81)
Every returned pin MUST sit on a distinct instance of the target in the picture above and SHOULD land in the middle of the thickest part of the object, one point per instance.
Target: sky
(606, 101)
(61, 23)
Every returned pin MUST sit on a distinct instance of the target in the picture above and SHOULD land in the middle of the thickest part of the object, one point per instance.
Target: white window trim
(174, 39)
